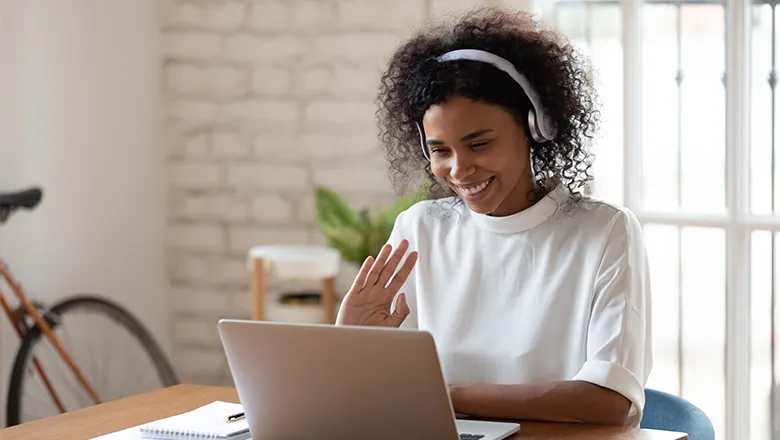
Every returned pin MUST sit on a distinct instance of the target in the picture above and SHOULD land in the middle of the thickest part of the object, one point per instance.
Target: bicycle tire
(118, 313)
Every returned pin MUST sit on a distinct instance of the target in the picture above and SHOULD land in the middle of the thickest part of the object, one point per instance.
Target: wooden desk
(125, 413)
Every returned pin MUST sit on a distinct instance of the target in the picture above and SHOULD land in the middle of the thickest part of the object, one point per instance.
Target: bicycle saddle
(27, 199)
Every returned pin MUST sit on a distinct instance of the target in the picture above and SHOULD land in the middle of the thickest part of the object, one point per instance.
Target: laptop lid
(323, 381)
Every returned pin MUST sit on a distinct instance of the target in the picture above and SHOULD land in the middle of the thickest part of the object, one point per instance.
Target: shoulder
(595, 215)
(614, 232)
(605, 230)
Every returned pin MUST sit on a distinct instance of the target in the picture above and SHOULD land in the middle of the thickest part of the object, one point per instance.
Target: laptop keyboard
(470, 436)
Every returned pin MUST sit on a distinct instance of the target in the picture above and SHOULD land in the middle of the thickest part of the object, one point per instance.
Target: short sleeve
(402, 231)
(619, 345)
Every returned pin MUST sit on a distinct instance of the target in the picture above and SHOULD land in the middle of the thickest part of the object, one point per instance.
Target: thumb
(401, 311)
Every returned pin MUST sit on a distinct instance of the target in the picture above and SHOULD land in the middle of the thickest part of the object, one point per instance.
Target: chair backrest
(668, 412)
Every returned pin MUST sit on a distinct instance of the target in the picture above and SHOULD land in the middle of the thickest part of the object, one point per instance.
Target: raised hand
(368, 301)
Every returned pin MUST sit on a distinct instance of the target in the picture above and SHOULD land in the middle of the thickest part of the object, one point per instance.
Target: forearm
(565, 401)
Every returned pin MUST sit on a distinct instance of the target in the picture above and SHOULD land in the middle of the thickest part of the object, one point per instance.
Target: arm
(609, 388)
(565, 401)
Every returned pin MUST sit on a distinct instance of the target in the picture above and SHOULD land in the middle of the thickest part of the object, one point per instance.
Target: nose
(461, 167)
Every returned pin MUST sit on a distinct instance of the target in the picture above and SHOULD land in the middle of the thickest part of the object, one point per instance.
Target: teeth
(475, 189)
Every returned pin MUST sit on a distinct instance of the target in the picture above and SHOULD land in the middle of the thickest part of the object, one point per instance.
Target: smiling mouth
(476, 189)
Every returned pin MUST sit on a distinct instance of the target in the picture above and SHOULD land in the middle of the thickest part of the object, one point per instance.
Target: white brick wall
(193, 78)
(191, 45)
(265, 99)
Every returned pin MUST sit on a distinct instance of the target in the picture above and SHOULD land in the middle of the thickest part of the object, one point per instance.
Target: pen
(234, 417)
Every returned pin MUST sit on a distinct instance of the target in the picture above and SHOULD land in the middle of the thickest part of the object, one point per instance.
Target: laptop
(298, 381)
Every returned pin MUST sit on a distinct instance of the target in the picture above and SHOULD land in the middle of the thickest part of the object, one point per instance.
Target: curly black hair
(414, 81)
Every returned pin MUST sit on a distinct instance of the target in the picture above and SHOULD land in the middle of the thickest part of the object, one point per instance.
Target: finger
(392, 263)
(400, 278)
(401, 311)
(357, 284)
(376, 268)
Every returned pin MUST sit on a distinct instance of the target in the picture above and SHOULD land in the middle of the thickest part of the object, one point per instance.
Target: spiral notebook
(206, 422)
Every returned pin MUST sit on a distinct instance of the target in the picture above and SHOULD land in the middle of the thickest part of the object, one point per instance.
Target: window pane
(761, 164)
(595, 29)
(605, 51)
(660, 50)
(703, 168)
(775, 316)
(761, 334)
(663, 252)
(688, 280)
(703, 268)
(684, 107)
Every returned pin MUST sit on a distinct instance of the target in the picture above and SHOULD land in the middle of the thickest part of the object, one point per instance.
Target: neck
(524, 195)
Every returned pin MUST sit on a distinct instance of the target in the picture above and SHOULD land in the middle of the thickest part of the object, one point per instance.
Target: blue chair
(668, 412)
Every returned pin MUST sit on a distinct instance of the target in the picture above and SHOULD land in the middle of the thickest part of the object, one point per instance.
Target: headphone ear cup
(536, 134)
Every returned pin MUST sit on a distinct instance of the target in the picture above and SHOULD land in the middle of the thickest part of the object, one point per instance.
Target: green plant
(356, 234)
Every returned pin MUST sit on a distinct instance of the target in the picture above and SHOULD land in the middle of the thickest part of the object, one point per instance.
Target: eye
(479, 144)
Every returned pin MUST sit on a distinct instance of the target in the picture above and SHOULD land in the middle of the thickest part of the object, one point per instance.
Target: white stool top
(297, 261)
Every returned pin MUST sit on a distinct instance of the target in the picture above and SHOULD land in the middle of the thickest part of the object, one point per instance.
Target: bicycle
(35, 325)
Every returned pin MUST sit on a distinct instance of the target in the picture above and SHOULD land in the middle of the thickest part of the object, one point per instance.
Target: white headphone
(540, 124)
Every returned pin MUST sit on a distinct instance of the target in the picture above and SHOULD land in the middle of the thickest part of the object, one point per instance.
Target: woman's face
(481, 152)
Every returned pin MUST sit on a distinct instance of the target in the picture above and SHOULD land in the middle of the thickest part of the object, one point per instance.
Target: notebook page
(208, 419)
(125, 434)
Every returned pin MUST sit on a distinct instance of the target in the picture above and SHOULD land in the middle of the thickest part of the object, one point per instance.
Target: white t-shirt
(547, 294)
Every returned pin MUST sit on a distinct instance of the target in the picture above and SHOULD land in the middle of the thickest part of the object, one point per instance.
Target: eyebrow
(465, 138)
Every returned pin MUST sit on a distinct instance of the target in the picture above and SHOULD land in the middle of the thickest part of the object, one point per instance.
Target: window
(689, 144)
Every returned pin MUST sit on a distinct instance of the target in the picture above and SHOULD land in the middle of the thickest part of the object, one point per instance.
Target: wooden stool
(294, 262)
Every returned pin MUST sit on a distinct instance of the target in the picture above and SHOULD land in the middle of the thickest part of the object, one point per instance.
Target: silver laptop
(301, 381)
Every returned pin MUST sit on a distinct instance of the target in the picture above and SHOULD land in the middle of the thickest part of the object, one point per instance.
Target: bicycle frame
(18, 325)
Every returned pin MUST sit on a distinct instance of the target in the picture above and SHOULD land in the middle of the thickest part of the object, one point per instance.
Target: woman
(537, 296)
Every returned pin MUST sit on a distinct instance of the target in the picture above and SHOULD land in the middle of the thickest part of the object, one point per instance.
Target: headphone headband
(540, 124)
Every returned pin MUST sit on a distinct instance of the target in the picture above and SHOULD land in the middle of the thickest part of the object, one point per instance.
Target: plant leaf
(332, 210)
(379, 234)
(340, 225)
(389, 215)
(347, 241)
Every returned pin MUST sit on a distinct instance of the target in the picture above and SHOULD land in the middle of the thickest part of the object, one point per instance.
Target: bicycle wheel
(111, 348)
